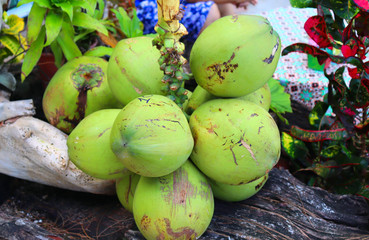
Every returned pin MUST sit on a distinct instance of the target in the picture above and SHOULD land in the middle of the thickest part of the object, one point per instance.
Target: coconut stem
(171, 49)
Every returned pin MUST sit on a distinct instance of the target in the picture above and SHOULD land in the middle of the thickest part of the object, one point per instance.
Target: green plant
(12, 46)
(87, 38)
(52, 23)
(127, 26)
(336, 148)
(281, 101)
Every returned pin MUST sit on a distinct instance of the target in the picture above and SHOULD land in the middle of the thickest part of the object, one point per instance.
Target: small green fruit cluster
(171, 63)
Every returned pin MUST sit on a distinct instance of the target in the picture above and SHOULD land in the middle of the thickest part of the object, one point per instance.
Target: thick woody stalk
(171, 61)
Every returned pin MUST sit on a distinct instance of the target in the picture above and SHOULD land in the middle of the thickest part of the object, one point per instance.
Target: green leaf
(4, 53)
(137, 26)
(319, 135)
(15, 24)
(295, 149)
(53, 24)
(44, 3)
(330, 151)
(21, 2)
(86, 21)
(124, 20)
(66, 42)
(323, 169)
(89, 5)
(11, 43)
(303, 3)
(338, 81)
(344, 9)
(99, 13)
(92, 6)
(68, 46)
(57, 52)
(33, 54)
(358, 93)
(67, 26)
(35, 20)
(67, 8)
(279, 115)
(99, 51)
(130, 27)
(82, 34)
(317, 114)
(281, 101)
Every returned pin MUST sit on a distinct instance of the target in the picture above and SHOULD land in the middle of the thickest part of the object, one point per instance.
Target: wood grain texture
(284, 209)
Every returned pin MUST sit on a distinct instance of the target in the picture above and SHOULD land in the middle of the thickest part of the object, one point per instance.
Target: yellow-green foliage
(12, 42)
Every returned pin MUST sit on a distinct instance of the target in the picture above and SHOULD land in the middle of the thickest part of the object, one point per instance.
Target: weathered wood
(284, 209)
(22, 228)
(34, 150)
(16, 109)
(12, 109)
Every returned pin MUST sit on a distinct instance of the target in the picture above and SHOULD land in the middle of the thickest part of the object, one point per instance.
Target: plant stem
(171, 61)
(364, 150)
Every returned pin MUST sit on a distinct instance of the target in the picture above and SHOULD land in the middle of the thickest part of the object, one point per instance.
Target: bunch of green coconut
(170, 160)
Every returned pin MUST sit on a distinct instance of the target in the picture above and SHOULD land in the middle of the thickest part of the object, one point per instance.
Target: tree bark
(284, 208)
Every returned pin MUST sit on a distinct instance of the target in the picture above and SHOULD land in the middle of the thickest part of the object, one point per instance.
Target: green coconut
(235, 141)
(77, 89)
(179, 205)
(235, 55)
(89, 146)
(235, 193)
(151, 136)
(134, 70)
(261, 96)
(198, 97)
(125, 189)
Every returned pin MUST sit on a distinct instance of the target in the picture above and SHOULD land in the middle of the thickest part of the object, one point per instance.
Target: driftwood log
(285, 208)
(34, 150)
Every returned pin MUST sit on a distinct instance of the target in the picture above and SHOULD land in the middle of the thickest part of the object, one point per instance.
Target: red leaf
(341, 166)
(348, 32)
(363, 4)
(348, 111)
(316, 28)
(365, 83)
(318, 136)
(353, 72)
(349, 50)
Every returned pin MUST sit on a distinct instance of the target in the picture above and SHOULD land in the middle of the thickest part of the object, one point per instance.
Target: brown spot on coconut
(77, 89)
(248, 58)
(180, 205)
(237, 148)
